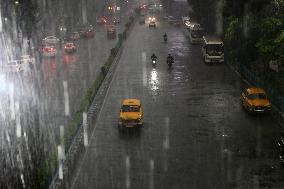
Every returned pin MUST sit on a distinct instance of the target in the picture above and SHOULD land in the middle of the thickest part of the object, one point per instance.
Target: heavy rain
(201, 80)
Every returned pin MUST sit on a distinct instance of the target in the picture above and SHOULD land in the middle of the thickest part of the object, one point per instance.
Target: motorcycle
(165, 39)
(154, 62)
(170, 63)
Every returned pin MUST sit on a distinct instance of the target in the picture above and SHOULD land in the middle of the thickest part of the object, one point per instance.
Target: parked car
(12, 67)
(255, 100)
(131, 114)
(27, 59)
(213, 50)
(48, 51)
(50, 40)
(102, 20)
(185, 19)
(70, 47)
(89, 33)
(74, 36)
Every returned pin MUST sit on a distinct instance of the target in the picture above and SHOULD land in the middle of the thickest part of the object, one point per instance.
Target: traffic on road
(174, 112)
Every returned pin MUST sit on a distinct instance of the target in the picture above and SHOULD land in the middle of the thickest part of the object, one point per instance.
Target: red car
(89, 33)
(75, 36)
(48, 51)
(70, 47)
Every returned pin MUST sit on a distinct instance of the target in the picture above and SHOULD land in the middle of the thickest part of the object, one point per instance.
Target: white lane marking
(18, 120)
(166, 142)
(85, 129)
(99, 116)
(12, 101)
(127, 174)
(144, 71)
(167, 134)
(66, 98)
(23, 180)
(61, 128)
(60, 162)
(151, 174)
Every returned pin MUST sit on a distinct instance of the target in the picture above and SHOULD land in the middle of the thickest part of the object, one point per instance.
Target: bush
(120, 36)
(113, 51)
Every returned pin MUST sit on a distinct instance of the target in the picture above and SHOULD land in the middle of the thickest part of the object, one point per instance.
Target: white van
(213, 50)
(196, 34)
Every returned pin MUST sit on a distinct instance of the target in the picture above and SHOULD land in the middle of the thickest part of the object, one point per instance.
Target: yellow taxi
(131, 114)
(255, 100)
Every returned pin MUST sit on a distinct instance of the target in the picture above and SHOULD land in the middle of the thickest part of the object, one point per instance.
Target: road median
(53, 168)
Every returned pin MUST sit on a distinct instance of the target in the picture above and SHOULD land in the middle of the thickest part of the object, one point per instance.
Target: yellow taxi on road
(255, 100)
(131, 114)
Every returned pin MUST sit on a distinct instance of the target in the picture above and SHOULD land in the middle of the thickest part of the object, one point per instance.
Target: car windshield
(14, 63)
(130, 108)
(214, 49)
(256, 96)
(197, 33)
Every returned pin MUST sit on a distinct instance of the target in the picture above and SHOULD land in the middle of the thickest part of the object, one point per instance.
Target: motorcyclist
(170, 58)
(153, 57)
(165, 37)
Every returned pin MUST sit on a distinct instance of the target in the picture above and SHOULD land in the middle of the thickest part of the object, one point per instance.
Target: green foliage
(233, 29)
(265, 47)
(46, 171)
(269, 27)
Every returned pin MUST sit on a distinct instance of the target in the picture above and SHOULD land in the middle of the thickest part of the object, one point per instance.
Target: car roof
(13, 61)
(134, 102)
(212, 40)
(50, 37)
(253, 90)
(196, 27)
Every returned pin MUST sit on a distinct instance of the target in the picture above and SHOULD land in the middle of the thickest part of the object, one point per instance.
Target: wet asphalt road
(78, 69)
(196, 134)
(34, 109)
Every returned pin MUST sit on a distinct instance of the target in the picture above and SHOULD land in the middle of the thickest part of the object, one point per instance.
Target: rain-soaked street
(195, 135)
(34, 103)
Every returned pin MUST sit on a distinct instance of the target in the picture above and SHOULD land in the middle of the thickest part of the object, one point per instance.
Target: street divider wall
(48, 174)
